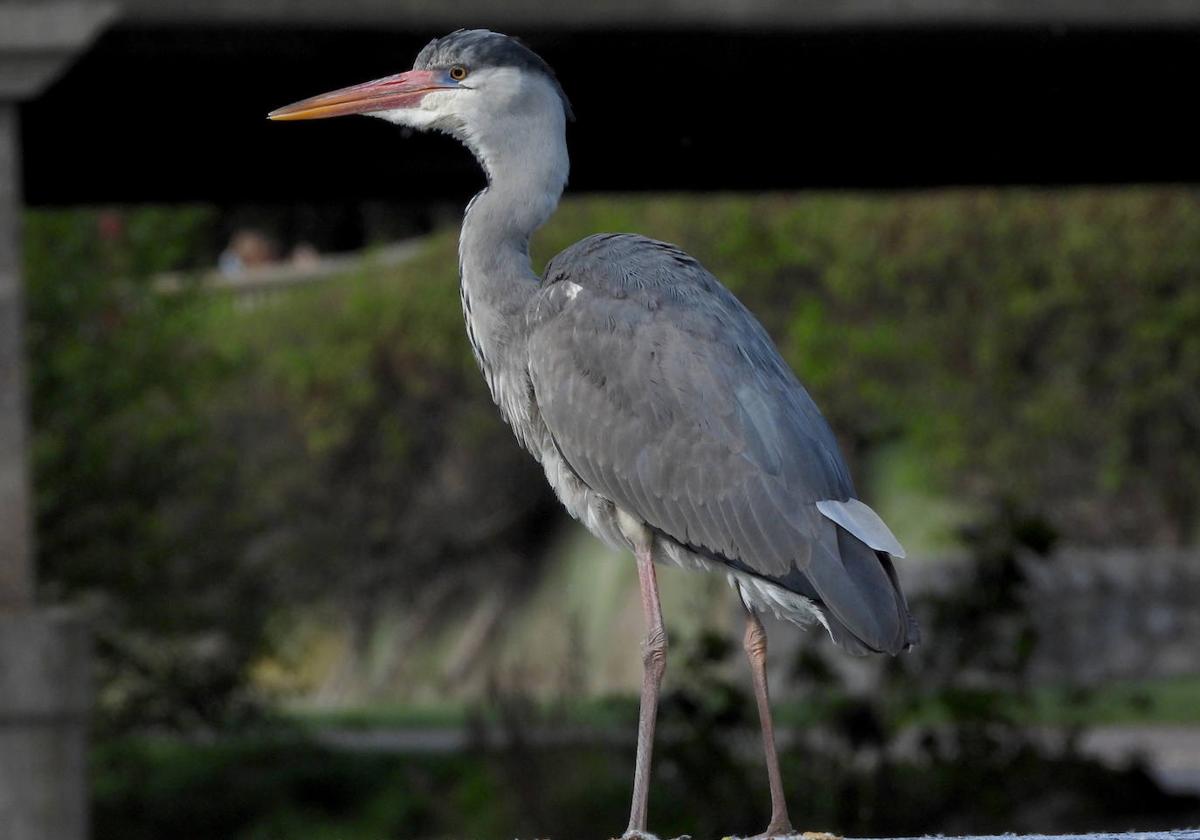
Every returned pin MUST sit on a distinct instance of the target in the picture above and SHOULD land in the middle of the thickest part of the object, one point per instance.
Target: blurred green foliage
(132, 483)
(706, 783)
(207, 469)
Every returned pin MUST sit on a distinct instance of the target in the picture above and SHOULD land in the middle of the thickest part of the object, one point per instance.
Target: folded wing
(666, 396)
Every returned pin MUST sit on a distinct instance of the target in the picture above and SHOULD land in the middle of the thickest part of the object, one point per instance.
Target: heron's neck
(494, 244)
(527, 170)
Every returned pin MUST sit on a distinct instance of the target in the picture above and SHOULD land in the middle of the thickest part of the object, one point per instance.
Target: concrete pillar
(45, 691)
(45, 701)
(44, 656)
(16, 552)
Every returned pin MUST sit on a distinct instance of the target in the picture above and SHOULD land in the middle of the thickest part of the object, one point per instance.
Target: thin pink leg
(755, 642)
(654, 663)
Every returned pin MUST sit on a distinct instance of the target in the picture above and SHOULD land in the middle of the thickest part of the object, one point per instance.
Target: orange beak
(404, 90)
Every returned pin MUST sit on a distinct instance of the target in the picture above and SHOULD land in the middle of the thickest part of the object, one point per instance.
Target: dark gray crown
(481, 48)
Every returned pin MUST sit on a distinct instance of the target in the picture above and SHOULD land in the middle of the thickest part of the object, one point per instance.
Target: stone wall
(1116, 614)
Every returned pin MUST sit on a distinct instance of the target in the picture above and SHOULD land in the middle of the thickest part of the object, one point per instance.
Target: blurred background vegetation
(302, 530)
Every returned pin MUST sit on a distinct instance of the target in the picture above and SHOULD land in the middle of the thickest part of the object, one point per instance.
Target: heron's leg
(654, 663)
(755, 642)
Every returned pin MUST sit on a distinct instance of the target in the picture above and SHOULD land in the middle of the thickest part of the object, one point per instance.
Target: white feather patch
(764, 596)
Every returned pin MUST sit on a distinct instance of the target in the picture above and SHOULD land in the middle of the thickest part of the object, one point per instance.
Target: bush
(208, 472)
(132, 486)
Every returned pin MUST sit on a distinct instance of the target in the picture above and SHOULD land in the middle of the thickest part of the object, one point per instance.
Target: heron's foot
(633, 834)
(788, 833)
(780, 826)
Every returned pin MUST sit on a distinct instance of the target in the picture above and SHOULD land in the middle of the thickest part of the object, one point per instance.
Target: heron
(661, 412)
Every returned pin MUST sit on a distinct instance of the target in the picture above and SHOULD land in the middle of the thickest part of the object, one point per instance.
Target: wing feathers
(864, 523)
(668, 399)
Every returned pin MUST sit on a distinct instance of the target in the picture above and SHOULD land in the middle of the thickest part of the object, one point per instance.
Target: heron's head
(482, 87)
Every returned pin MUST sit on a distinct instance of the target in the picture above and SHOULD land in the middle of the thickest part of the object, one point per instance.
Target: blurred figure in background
(247, 250)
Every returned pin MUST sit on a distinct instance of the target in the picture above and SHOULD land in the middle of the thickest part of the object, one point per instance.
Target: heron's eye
(458, 72)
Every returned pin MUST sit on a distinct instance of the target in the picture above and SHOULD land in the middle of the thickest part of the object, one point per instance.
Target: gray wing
(666, 396)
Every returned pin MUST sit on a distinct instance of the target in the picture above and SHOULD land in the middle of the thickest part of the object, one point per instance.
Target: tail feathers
(858, 587)
(843, 638)
(912, 636)
(840, 576)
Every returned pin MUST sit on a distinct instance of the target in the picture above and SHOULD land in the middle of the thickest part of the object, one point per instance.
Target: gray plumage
(642, 384)
(662, 394)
